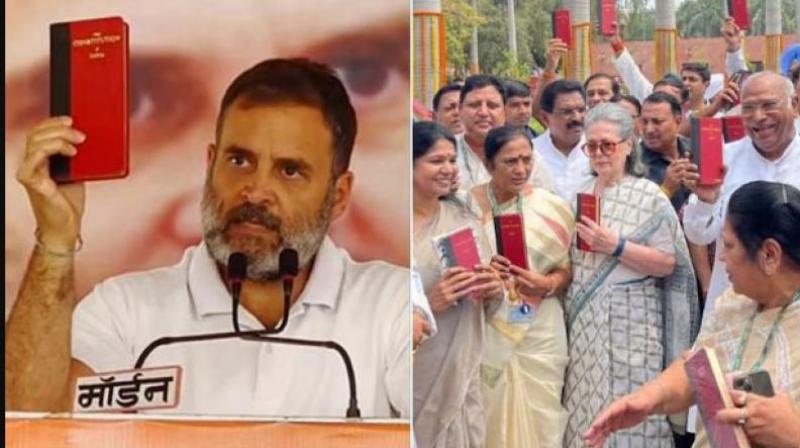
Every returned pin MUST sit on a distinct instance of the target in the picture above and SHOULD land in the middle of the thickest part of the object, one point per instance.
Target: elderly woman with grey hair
(632, 306)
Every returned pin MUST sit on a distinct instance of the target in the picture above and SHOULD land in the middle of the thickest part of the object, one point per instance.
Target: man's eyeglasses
(605, 147)
(766, 106)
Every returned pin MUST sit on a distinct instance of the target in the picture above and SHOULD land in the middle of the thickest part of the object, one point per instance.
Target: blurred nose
(259, 189)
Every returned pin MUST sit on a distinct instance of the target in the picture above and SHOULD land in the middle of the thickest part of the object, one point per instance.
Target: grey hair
(786, 83)
(618, 116)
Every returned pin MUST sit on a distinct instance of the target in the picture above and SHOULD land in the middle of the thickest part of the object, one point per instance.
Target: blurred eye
(291, 171)
(167, 97)
(373, 65)
(238, 160)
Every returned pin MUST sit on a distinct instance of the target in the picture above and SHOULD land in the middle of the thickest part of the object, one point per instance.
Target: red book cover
(89, 82)
(607, 14)
(710, 392)
(589, 206)
(509, 232)
(738, 10)
(733, 128)
(707, 149)
(562, 26)
(458, 248)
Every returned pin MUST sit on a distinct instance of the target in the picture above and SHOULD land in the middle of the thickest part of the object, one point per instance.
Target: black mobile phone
(758, 383)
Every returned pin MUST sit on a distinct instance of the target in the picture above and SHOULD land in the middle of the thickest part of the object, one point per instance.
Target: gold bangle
(64, 254)
(666, 192)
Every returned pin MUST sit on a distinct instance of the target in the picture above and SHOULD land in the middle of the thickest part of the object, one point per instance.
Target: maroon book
(738, 10)
(589, 206)
(711, 394)
(89, 82)
(509, 232)
(733, 128)
(562, 26)
(458, 248)
(607, 15)
(707, 149)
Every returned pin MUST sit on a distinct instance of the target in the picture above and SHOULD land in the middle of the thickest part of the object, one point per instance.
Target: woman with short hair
(632, 306)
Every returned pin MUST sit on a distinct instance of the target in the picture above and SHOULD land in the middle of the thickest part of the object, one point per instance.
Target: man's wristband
(57, 253)
(620, 247)
(618, 47)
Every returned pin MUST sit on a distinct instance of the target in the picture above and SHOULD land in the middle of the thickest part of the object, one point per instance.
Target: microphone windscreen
(237, 266)
(287, 263)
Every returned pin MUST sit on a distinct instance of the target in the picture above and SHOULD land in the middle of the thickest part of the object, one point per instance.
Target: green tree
(460, 17)
(703, 18)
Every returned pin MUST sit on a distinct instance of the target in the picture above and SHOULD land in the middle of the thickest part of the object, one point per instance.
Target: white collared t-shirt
(568, 172)
(362, 306)
(702, 222)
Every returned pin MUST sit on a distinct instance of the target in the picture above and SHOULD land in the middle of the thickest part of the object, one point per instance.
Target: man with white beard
(277, 176)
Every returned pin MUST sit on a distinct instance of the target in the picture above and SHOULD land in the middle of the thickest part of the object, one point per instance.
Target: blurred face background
(184, 53)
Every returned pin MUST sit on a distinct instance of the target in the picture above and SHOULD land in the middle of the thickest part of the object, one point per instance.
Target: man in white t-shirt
(277, 176)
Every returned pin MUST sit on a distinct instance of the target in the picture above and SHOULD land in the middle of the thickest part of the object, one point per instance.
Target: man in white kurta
(483, 109)
(771, 151)
(563, 105)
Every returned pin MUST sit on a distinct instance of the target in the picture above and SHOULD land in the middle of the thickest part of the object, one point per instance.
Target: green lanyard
(737, 361)
(493, 201)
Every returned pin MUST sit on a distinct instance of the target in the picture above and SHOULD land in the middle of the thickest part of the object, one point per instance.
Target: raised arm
(638, 84)
(734, 56)
(556, 49)
(39, 366)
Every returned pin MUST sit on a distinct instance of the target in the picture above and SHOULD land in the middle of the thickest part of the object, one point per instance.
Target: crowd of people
(585, 344)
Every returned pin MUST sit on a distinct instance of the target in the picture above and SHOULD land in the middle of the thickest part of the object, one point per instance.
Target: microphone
(263, 336)
(237, 271)
(287, 269)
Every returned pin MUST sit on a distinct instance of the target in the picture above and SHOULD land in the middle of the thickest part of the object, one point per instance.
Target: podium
(26, 430)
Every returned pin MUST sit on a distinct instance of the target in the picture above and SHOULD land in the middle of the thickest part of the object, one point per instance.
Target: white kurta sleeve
(702, 222)
(638, 84)
(735, 61)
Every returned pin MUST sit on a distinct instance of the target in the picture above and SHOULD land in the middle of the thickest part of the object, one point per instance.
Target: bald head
(768, 80)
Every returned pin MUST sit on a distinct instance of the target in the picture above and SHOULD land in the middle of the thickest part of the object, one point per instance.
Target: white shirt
(472, 172)
(362, 306)
(702, 222)
(568, 172)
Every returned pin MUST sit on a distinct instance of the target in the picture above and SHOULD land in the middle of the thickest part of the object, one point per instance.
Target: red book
(89, 82)
(707, 149)
(589, 206)
(733, 128)
(607, 14)
(458, 248)
(711, 394)
(738, 10)
(562, 26)
(509, 232)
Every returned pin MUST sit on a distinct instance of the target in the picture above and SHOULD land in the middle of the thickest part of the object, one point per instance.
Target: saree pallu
(625, 327)
(524, 361)
(448, 405)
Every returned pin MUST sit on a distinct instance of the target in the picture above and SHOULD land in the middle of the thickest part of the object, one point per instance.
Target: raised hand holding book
(89, 82)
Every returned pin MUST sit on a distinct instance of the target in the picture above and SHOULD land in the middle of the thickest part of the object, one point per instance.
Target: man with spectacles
(563, 106)
(770, 152)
